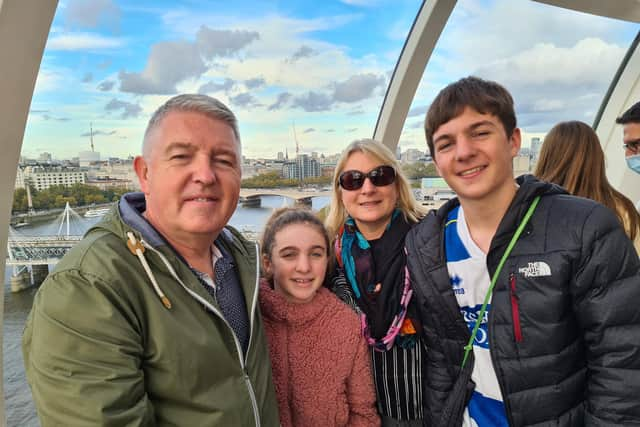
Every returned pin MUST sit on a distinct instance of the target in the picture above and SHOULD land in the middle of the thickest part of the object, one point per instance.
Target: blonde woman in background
(571, 156)
(371, 211)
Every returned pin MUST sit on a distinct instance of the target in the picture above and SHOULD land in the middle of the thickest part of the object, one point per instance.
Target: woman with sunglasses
(371, 210)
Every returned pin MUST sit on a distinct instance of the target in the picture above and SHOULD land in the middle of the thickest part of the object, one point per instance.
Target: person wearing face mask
(630, 122)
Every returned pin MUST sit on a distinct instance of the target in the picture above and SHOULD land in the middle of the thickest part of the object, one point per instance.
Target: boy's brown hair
(484, 96)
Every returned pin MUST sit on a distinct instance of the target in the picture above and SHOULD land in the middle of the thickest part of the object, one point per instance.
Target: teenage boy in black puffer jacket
(559, 340)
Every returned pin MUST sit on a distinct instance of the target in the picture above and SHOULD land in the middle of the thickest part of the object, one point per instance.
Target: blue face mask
(634, 163)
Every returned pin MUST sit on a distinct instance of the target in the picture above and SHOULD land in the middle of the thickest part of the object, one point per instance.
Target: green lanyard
(494, 279)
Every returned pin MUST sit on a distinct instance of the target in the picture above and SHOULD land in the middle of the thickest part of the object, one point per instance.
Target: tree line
(57, 196)
(419, 170)
(272, 179)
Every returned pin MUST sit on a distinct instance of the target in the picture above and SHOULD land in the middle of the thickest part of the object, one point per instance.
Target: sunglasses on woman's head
(380, 177)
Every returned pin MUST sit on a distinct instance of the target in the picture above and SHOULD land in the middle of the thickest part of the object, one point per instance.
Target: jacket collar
(529, 188)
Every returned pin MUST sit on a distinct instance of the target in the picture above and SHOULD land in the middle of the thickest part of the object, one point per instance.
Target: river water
(19, 407)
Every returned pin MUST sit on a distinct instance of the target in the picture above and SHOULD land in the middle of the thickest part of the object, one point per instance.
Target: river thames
(19, 407)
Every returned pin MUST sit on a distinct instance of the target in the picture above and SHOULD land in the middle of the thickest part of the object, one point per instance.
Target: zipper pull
(515, 308)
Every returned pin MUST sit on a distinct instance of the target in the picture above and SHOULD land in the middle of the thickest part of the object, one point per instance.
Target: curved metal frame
(24, 27)
(423, 36)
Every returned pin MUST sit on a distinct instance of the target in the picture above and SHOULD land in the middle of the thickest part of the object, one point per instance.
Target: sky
(315, 72)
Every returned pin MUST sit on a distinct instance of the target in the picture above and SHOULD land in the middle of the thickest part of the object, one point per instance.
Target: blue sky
(324, 66)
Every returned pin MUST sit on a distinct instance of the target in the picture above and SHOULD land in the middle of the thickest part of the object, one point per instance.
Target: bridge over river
(252, 196)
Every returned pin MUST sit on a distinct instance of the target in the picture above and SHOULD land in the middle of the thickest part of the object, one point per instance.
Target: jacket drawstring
(136, 248)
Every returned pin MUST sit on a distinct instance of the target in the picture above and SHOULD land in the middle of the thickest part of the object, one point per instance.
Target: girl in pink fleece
(320, 361)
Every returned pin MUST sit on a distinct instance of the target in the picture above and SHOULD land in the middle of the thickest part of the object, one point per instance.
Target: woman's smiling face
(371, 207)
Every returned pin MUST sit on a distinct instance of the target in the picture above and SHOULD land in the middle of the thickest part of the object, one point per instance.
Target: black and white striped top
(397, 373)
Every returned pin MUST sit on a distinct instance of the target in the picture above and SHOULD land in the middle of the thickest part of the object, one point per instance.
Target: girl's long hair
(571, 156)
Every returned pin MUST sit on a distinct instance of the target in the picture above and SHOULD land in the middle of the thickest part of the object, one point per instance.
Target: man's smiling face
(191, 176)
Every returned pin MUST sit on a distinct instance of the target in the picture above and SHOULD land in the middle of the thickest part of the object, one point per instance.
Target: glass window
(557, 63)
(302, 76)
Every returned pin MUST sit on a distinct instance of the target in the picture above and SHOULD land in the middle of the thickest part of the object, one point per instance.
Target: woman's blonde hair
(407, 204)
(571, 156)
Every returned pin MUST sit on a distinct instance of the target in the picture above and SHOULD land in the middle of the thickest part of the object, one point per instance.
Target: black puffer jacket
(565, 343)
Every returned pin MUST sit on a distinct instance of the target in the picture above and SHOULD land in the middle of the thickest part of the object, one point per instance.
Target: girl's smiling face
(298, 262)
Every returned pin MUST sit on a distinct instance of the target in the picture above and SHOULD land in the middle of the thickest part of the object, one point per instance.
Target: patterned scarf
(381, 287)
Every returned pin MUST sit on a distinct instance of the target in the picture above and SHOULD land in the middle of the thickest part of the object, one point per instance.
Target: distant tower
(86, 158)
(91, 136)
(295, 138)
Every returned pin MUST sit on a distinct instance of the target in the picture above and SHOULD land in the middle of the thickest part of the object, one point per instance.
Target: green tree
(318, 180)
(270, 179)
(61, 201)
(420, 170)
(20, 203)
(58, 195)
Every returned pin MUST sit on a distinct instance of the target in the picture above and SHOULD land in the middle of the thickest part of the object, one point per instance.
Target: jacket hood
(127, 216)
(530, 187)
(131, 206)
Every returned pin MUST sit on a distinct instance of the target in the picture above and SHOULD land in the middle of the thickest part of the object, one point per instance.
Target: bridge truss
(27, 250)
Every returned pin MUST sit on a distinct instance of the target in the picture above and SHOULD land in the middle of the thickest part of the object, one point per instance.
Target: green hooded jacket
(100, 348)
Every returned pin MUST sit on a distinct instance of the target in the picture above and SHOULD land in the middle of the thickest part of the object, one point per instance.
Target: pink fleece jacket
(320, 361)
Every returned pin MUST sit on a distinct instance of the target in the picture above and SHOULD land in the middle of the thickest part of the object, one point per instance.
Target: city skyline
(109, 64)
(46, 156)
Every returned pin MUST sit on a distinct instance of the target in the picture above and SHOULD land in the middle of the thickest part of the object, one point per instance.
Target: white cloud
(223, 42)
(49, 79)
(302, 52)
(83, 41)
(187, 22)
(544, 105)
(92, 13)
(212, 87)
(585, 62)
(551, 83)
(168, 64)
(128, 109)
(556, 63)
(477, 31)
(358, 87)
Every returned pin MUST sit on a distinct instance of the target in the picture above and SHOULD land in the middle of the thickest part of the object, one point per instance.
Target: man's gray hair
(196, 103)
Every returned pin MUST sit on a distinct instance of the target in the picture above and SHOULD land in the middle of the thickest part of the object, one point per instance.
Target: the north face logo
(536, 269)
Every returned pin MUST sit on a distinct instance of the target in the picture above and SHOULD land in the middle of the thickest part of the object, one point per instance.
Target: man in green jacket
(151, 320)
